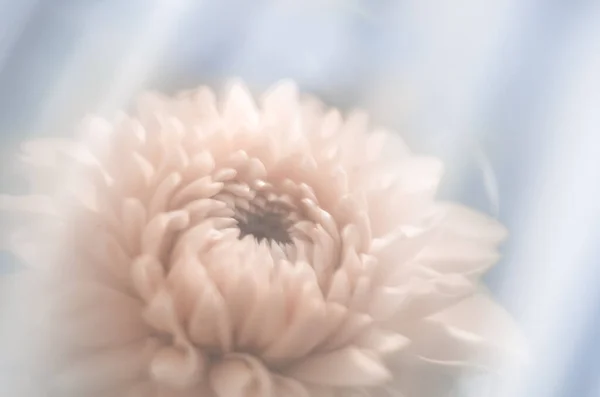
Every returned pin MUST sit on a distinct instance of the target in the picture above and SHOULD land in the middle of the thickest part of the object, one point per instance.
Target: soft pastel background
(507, 92)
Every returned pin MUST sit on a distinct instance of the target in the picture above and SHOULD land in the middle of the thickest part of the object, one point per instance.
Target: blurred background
(507, 92)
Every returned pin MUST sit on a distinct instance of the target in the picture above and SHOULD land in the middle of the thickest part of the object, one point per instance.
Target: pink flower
(243, 250)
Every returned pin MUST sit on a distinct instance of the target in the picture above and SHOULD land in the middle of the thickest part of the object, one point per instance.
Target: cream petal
(483, 322)
(230, 379)
(363, 224)
(203, 187)
(139, 173)
(395, 249)
(416, 378)
(382, 341)
(335, 316)
(339, 291)
(147, 274)
(469, 224)
(133, 215)
(163, 193)
(177, 367)
(44, 152)
(239, 109)
(240, 375)
(266, 319)
(453, 255)
(352, 264)
(418, 173)
(205, 102)
(386, 301)
(331, 124)
(209, 323)
(432, 295)
(159, 232)
(319, 216)
(354, 325)
(377, 142)
(202, 164)
(308, 319)
(162, 315)
(361, 294)
(107, 254)
(201, 237)
(323, 254)
(186, 281)
(345, 367)
(224, 174)
(280, 101)
(241, 296)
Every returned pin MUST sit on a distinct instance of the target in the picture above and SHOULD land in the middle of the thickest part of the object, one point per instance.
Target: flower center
(268, 222)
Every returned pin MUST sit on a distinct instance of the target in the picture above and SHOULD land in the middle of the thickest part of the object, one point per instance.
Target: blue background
(507, 92)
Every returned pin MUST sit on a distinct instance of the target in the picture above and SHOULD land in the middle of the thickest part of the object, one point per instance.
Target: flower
(244, 250)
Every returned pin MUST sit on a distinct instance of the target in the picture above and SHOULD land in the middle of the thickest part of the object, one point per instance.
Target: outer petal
(345, 367)
(471, 225)
(484, 326)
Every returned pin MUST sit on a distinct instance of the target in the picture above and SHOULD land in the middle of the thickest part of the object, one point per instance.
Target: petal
(266, 319)
(162, 315)
(280, 102)
(209, 323)
(160, 230)
(482, 324)
(305, 330)
(354, 325)
(428, 296)
(398, 247)
(382, 341)
(240, 375)
(457, 255)
(345, 367)
(386, 301)
(179, 368)
(239, 109)
(469, 224)
(147, 275)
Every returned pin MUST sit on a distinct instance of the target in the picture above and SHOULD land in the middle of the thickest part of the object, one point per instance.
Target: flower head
(236, 249)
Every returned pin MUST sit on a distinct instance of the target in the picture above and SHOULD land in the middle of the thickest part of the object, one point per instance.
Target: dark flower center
(270, 224)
